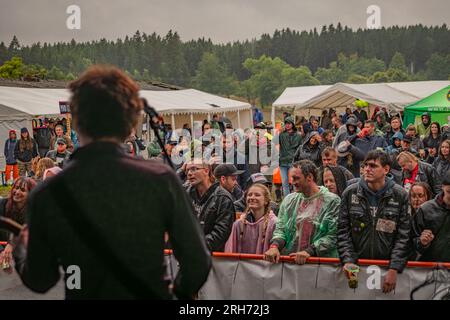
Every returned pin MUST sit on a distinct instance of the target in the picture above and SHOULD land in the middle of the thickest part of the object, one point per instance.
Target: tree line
(257, 69)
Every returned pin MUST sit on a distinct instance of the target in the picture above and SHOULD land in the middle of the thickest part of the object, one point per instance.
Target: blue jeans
(284, 171)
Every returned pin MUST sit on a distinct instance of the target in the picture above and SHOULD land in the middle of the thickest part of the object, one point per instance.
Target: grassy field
(4, 191)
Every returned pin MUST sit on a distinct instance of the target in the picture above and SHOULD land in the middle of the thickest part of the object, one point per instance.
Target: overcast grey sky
(220, 20)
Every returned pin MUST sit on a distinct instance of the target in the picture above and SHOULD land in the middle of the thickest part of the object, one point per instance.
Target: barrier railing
(318, 260)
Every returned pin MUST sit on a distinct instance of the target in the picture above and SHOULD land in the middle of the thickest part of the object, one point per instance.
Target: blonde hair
(266, 194)
(42, 165)
(408, 156)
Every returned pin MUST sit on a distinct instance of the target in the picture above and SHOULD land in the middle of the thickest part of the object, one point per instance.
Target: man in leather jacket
(415, 170)
(374, 222)
(213, 205)
(430, 230)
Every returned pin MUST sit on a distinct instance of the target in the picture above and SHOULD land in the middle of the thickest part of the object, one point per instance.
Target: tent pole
(148, 129)
(272, 118)
(192, 125)
(239, 119)
(209, 117)
(173, 121)
(251, 118)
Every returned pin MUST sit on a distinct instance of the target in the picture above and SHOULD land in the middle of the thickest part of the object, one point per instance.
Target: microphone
(154, 115)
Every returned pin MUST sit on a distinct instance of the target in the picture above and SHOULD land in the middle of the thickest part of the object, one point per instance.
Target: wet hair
(380, 155)
(407, 155)
(11, 210)
(425, 186)
(437, 125)
(100, 91)
(42, 165)
(440, 149)
(329, 151)
(308, 168)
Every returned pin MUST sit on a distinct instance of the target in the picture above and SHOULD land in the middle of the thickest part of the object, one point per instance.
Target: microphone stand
(151, 112)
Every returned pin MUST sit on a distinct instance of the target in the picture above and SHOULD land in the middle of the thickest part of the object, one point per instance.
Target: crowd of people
(359, 188)
(352, 186)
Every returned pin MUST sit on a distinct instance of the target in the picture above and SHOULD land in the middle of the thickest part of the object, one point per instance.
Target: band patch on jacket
(387, 226)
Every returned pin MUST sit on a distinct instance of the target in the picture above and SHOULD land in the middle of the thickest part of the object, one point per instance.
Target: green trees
(212, 76)
(438, 67)
(12, 69)
(256, 69)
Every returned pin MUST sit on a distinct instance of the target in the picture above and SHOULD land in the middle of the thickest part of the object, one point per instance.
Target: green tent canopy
(437, 104)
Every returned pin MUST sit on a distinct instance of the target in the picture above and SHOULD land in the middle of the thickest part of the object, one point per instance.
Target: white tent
(186, 106)
(294, 96)
(18, 106)
(395, 95)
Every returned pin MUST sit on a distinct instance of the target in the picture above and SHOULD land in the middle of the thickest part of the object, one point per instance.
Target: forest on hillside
(257, 70)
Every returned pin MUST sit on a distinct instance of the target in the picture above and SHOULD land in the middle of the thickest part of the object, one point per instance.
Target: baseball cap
(226, 170)
(61, 140)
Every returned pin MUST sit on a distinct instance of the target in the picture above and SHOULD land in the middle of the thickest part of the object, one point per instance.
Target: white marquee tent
(19, 106)
(395, 96)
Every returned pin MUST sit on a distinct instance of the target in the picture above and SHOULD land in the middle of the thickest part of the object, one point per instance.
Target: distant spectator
(415, 170)
(11, 161)
(258, 116)
(325, 121)
(61, 155)
(395, 127)
(290, 140)
(416, 143)
(442, 161)
(423, 128)
(311, 149)
(43, 164)
(59, 131)
(25, 152)
(360, 113)
(327, 138)
(432, 141)
(329, 158)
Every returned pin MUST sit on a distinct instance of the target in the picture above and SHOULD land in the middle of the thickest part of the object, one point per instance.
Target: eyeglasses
(194, 169)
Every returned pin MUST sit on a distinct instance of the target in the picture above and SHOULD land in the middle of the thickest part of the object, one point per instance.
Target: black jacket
(308, 152)
(133, 203)
(216, 213)
(433, 215)
(441, 165)
(357, 236)
(27, 154)
(427, 173)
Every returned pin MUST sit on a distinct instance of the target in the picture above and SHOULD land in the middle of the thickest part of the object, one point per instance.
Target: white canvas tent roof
(191, 101)
(294, 96)
(22, 103)
(33, 102)
(394, 95)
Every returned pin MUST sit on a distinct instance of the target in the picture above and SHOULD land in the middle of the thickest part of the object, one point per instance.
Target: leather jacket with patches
(381, 232)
